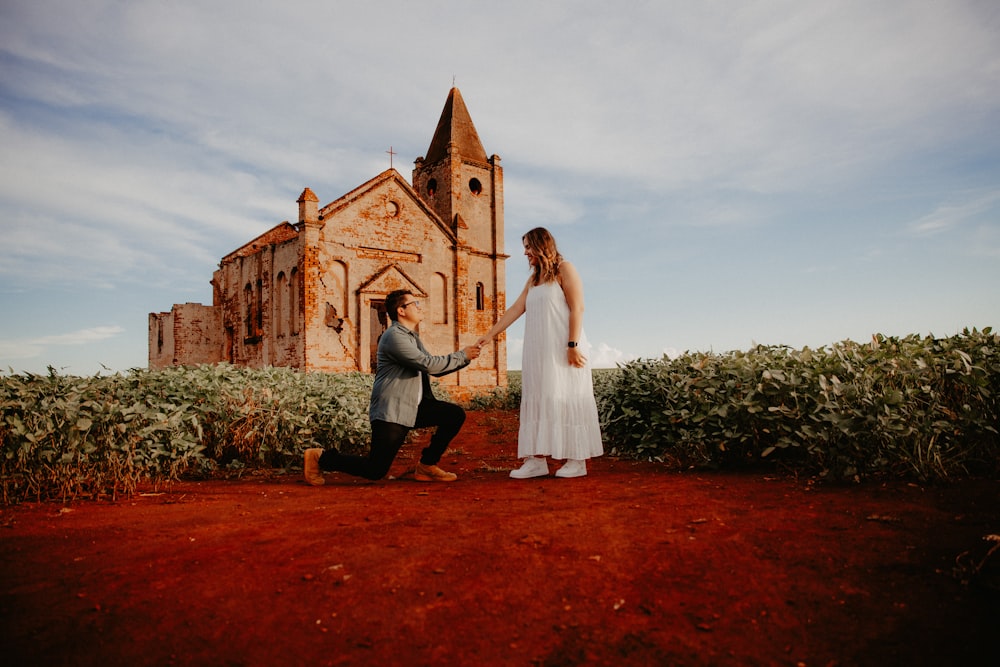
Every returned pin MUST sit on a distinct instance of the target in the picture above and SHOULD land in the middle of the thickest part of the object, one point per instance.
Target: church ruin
(310, 295)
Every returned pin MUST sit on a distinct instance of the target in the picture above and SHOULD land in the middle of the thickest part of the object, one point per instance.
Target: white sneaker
(573, 468)
(534, 466)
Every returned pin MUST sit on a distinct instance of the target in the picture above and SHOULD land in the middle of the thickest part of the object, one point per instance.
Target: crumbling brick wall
(189, 334)
(310, 295)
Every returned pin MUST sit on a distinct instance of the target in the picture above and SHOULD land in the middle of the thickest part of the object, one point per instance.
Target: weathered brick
(307, 295)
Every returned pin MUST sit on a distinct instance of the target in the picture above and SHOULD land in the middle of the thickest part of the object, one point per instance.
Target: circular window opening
(475, 186)
(432, 186)
(392, 209)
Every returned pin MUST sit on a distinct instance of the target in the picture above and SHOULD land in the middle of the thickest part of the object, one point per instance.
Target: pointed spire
(455, 126)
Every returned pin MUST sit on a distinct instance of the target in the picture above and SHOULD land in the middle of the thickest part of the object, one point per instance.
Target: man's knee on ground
(376, 472)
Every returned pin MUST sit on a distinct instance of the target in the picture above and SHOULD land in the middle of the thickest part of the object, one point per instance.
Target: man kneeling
(401, 400)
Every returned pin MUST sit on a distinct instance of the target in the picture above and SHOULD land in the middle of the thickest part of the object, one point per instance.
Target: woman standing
(558, 410)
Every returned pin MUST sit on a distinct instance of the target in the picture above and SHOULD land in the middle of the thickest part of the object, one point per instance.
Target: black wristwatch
(572, 343)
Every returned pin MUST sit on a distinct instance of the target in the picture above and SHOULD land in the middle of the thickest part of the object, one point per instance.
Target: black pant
(387, 438)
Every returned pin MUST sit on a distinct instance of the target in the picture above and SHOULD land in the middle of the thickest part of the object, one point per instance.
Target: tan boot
(313, 474)
(432, 474)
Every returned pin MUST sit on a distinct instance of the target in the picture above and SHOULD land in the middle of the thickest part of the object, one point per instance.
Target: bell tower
(458, 181)
(465, 188)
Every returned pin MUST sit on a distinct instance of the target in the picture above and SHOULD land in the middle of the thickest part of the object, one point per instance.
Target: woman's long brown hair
(541, 243)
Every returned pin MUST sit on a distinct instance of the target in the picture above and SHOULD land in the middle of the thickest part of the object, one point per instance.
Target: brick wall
(305, 295)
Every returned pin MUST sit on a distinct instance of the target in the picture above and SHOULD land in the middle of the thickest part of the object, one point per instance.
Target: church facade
(311, 295)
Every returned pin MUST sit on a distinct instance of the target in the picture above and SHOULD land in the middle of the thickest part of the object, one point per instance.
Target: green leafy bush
(920, 407)
(924, 407)
(65, 436)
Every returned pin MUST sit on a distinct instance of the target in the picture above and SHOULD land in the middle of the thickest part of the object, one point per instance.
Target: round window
(475, 186)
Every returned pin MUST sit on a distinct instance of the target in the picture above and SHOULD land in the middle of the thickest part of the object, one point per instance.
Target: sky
(723, 174)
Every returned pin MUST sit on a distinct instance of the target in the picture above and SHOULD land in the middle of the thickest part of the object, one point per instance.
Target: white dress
(558, 410)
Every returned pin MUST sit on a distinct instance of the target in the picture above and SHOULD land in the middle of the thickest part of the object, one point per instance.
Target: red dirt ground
(631, 565)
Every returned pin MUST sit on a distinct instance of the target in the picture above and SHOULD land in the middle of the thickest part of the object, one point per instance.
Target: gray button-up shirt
(402, 358)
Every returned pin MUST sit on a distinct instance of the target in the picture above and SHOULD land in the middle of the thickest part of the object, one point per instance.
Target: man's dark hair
(394, 300)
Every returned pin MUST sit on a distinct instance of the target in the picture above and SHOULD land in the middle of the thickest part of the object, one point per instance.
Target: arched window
(259, 308)
(280, 305)
(480, 296)
(293, 302)
(437, 309)
(248, 302)
(336, 280)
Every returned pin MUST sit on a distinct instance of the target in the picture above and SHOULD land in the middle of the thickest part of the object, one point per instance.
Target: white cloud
(692, 148)
(950, 215)
(605, 356)
(31, 348)
(82, 336)
(537, 203)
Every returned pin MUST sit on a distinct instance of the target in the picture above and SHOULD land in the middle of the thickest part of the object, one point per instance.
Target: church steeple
(460, 183)
(464, 187)
(455, 127)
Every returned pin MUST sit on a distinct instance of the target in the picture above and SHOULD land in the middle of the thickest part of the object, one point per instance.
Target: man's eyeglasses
(412, 303)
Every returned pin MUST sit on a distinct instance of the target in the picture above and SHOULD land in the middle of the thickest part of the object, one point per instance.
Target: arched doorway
(378, 322)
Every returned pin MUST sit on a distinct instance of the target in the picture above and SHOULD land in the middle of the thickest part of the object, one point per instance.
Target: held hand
(482, 341)
(471, 352)
(575, 357)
